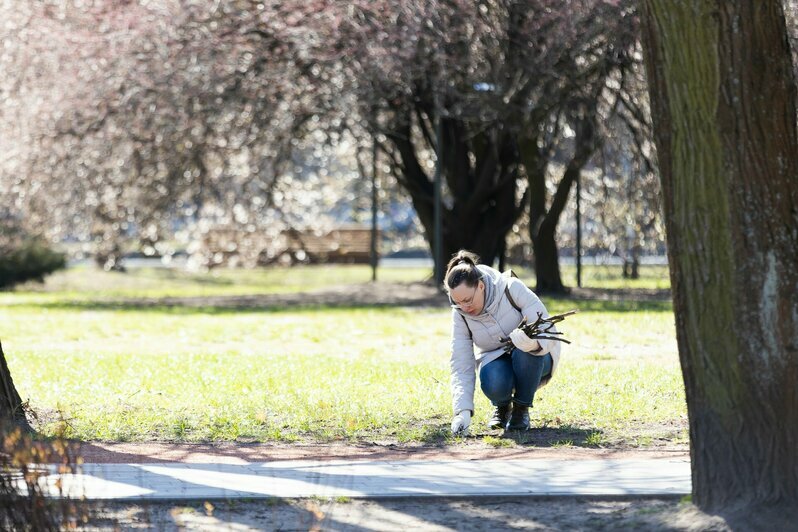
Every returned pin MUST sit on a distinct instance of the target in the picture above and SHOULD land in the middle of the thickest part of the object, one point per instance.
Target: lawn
(312, 373)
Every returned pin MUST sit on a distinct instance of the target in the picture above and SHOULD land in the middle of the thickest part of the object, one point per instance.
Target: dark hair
(462, 269)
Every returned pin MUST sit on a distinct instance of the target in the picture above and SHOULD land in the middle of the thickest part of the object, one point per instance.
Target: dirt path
(380, 294)
(399, 514)
(237, 453)
(428, 514)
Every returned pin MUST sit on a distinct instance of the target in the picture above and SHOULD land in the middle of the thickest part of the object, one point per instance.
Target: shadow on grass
(352, 297)
(560, 304)
(345, 297)
(562, 436)
(183, 277)
(435, 434)
(157, 306)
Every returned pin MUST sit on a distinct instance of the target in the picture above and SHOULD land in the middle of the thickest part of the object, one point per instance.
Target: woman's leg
(528, 370)
(496, 380)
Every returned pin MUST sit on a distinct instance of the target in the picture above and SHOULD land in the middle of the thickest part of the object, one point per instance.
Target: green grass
(493, 441)
(87, 283)
(125, 373)
(607, 276)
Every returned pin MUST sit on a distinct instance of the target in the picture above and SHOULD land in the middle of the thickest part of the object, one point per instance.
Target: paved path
(380, 478)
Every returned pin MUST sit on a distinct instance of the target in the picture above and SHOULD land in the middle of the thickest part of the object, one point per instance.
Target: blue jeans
(517, 371)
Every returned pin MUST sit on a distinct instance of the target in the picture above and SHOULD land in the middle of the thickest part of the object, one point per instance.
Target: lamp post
(437, 199)
(578, 230)
(373, 251)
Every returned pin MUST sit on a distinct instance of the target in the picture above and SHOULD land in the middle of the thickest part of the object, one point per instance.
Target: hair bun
(467, 257)
(462, 267)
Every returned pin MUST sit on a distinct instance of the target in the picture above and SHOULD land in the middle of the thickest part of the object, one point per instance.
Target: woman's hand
(461, 422)
(524, 342)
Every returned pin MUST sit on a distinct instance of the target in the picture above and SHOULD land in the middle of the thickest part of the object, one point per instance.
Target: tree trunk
(723, 102)
(542, 221)
(10, 403)
(547, 261)
(480, 170)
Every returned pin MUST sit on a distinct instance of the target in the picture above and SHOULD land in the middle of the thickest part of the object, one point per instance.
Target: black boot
(498, 420)
(520, 418)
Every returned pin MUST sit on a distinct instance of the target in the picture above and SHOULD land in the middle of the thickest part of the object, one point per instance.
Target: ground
(389, 294)
(393, 514)
(489, 514)
(110, 452)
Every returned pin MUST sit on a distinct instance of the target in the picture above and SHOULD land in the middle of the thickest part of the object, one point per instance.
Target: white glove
(461, 422)
(524, 342)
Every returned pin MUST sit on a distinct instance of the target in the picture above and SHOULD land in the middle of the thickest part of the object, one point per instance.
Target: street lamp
(437, 199)
(373, 258)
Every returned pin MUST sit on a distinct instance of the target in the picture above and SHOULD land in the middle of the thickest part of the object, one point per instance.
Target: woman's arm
(531, 305)
(463, 366)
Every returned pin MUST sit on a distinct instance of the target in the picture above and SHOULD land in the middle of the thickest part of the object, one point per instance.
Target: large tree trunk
(480, 170)
(10, 402)
(723, 104)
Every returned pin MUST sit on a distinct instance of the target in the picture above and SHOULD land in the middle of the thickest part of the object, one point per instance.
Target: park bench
(347, 245)
(342, 245)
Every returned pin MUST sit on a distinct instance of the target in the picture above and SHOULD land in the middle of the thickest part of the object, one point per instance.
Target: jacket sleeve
(463, 365)
(531, 305)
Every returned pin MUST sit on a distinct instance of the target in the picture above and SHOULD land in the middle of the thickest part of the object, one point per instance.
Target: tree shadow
(760, 516)
(562, 436)
(357, 296)
(181, 276)
(412, 513)
(543, 437)
(233, 306)
(439, 435)
(593, 305)
(363, 478)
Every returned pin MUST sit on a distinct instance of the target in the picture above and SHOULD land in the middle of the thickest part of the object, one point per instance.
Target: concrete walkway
(376, 479)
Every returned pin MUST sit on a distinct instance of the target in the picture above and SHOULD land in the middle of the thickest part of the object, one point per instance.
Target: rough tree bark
(10, 402)
(723, 104)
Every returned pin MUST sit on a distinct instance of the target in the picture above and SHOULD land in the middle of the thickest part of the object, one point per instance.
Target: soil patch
(438, 514)
(380, 294)
(237, 453)
(621, 294)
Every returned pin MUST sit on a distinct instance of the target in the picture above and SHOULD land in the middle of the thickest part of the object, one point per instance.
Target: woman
(487, 308)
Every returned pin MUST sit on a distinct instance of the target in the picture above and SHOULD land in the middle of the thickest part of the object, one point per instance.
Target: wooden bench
(341, 245)
(347, 245)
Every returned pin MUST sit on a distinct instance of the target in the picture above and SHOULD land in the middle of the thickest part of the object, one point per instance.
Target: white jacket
(497, 319)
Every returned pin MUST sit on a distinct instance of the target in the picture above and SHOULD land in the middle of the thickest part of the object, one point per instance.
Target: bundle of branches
(541, 329)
